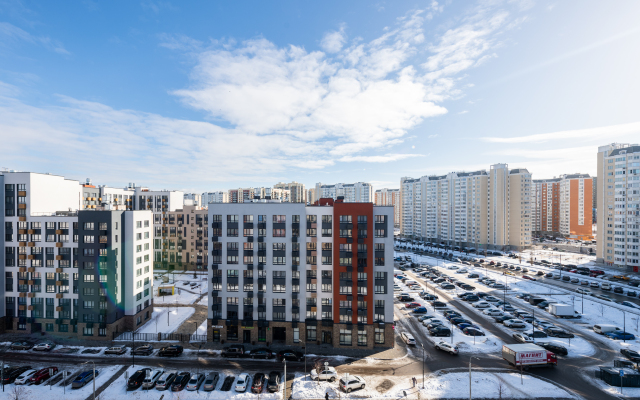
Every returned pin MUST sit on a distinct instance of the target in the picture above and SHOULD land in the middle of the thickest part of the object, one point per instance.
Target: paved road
(565, 374)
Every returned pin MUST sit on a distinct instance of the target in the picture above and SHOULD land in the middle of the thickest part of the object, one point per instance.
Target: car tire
(333, 379)
(348, 390)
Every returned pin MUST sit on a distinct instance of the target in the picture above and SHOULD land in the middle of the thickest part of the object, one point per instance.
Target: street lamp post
(94, 377)
(423, 362)
(470, 358)
(284, 379)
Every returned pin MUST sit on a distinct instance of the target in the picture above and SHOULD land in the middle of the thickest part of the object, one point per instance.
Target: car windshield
(240, 382)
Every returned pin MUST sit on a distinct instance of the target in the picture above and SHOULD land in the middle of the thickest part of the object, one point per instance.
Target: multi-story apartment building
(472, 209)
(563, 206)
(311, 196)
(389, 197)
(70, 270)
(297, 191)
(619, 205)
(220, 196)
(241, 195)
(283, 195)
(594, 185)
(359, 192)
(193, 199)
(181, 239)
(296, 274)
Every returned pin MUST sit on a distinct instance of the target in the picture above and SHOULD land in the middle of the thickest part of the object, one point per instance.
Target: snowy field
(167, 319)
(202, 329)
(184, 293)
(455, 385)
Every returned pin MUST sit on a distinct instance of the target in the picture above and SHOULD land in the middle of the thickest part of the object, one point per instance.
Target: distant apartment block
(389, 197)
(274, 193)
(482, 209)
(220, 196)
(298, 193)
(619, 205)
(193, 199)
(359, 192)
(311, 196)
(563, 206)
(241, 195)
(287, 273)
(180, 239)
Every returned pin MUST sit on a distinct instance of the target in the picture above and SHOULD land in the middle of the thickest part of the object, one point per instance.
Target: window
(279, 219)
(86, 278)
(326, 288)
(232, 287)
(88, 226)
(88, 239)
(87, 304)
(296, 335)
(345, 219)
(362, 338)
(87, 331)
(345, 337)
(312, 333)
(103, 226)
(279, 232)
(345, 233)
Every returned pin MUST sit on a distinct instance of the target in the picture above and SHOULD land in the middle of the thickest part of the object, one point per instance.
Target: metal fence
(143, 337)
(159, 337)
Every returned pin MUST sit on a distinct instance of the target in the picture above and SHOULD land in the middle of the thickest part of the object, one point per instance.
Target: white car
(431, 321)
(514, 323)
(462, 271)
(584, 291)
(522, 338)
(493, 312)
(481, 304)
(328, 374)
(408, 338)
(452, 267)
(396, 288)
(242, 383)
(352, 382)
(45, 346)
(22, 379)
(150, 382)
(448, 347)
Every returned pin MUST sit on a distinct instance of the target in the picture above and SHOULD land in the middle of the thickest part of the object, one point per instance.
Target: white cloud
(333, 41)
(463, 112)
(435, 135)
(378, 159)
(600, 133)
(12, 33)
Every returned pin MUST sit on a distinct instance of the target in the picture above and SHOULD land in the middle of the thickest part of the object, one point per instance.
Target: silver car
(211, 381)
(195, 382)
(150, 382)
(165, 380)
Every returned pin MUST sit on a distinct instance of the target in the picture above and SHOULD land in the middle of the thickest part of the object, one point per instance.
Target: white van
(602, 328)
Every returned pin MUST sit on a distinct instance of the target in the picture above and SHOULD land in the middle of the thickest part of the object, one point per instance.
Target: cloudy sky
(202, 96)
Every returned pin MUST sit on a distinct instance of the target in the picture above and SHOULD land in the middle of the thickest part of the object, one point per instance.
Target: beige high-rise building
(389, 197)
(470, 209)
(619, 205)
(298, 193)
(312, 198)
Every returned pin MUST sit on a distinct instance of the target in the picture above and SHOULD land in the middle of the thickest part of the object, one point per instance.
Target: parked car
(195, 382)
(171, 351)
(166, 379)
(42, 375)
(274, 382)
(258, 383)
(514, 323)
(290, 355)
(354, 382)
(631, 355)
(137, 378)
(439, 330)
(84, 378)
(327, 374)
(481, 304)
(448, 347)
(181, 381)
(116, 350)
(150, 382)
(557, 332)
(242, 383)
(420, 310)
(211, 381)
(21, 345)
(537, 334)
(24, 377)
(619, 335)
(144, 350)
(472, 332)
(522, 338)
(44, 346)
(262, 352)
(11, 374)
(234, 351)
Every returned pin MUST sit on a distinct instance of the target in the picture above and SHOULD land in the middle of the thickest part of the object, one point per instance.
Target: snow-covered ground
(184, 293)
(167, 319)
(202, 329)
(454, 385)
(117, 390)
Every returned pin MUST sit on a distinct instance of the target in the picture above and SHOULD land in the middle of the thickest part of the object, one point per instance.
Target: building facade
(619, 205)
(71, 270)
(220, 196)
(482, 210)
(359, 192)
(389, 197)
(297, 191)
(181, 239)
(295, 274)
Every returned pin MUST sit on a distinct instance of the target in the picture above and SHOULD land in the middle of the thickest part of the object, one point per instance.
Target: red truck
(528, 355)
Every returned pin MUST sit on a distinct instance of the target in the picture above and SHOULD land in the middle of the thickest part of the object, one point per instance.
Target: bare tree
(319, 367)
(600, 307)
(501, 388)
(19, 393)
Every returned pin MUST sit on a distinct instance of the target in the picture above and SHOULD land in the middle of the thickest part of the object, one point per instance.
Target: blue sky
(212, 95)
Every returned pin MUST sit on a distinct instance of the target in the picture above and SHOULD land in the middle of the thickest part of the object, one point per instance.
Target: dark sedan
(557, 332)
(472, 332)
(555, 348)
(145, 350)
(180, 382)
(631, 355)
(11, 374)
(135, 381)
(257, 385)
(457, 321)
(439, 331)
(290, 355)
(261, 353)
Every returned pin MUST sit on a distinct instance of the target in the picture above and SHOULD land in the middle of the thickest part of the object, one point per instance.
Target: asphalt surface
(565, 374)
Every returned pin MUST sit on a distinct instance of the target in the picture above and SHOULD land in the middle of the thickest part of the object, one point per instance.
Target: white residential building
(220, 196)
(359, 192)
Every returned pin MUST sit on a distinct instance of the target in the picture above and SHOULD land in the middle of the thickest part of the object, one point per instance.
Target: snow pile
(166, 319)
